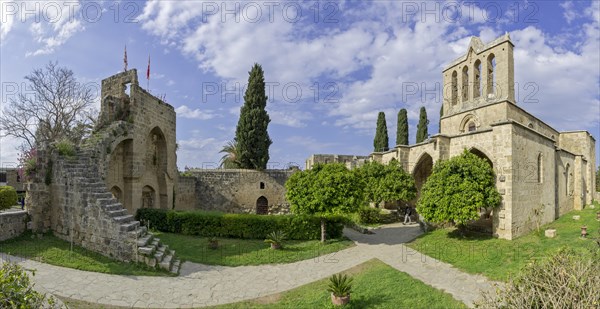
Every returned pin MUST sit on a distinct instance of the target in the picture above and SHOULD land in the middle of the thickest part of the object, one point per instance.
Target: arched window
(472, 127)
(477, 83)
(465, 83)
(491, 71)
(540, 168)
(454, 89)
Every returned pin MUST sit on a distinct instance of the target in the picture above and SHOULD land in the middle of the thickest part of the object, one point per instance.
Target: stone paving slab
(203, 285)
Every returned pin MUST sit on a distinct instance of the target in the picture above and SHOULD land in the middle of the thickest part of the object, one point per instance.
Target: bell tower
(483, 75)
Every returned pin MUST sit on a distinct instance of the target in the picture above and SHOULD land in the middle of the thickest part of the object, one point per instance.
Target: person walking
(407, 214)
(22, 203)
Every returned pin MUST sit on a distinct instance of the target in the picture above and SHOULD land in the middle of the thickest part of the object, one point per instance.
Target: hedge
(8, 197)
(248, 226)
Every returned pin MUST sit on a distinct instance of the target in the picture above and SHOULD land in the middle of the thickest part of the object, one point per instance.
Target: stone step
(175, 267)
(163, 248)
(159, 255)
(147, 250)
(123, 219)
(113, 207)
(107, 201)
(117, 213)
(167, 261)
(144, 241)
(103, 195)
(130, 226)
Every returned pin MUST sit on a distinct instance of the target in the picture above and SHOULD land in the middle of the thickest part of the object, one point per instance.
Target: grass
(239, 252)
(375, 285)
(52, 250)
(499, 259)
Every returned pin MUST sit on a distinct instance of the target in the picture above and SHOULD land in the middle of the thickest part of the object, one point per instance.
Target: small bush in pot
(340, 287)
(276, 239)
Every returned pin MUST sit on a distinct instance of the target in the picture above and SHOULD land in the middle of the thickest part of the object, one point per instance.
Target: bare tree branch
(52, 107)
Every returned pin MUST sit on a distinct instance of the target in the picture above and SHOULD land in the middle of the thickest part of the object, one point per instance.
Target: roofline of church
(497, 41)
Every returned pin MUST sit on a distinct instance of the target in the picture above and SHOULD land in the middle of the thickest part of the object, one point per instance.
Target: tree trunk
(322, 230)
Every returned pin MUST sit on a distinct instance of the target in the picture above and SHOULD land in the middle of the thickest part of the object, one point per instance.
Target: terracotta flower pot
(340, 300)
(213, 244)
(275, 246)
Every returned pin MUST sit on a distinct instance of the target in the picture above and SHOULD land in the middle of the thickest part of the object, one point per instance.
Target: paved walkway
(202, 285)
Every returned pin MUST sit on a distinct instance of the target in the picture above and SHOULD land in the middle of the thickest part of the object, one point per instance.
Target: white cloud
(391, 55)
(186, 112)
(570, 14)
(52, 23)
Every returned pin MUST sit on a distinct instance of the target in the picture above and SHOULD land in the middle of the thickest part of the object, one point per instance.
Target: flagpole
(148, 75)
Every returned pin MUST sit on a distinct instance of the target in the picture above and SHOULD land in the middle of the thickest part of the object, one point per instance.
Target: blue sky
(331, 66)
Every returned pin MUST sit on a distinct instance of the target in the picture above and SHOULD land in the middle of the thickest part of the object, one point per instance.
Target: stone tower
(142, 167)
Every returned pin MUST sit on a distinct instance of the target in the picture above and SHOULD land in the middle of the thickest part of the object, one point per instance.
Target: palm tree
(230, 159)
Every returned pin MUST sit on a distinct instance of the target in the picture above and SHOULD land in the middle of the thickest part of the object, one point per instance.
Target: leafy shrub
(567, 279)
(340, 285)
(276, 239)
(16, 290)
(369, 215)
(248, 226)
(65, 148)
(8, 197)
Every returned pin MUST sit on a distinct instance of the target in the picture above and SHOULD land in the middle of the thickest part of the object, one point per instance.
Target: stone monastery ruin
(541, 173)
(130, 163)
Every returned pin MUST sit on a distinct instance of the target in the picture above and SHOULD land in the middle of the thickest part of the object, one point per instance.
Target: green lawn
(500, 258)
(376, 285)
(52, 250)
(238, 252)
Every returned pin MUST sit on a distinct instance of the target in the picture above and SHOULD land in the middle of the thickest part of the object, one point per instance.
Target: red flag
(148, 71)
(125, 58)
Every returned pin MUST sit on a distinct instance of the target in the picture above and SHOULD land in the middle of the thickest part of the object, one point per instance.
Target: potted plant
(213, 243)
(340, 287)
(276, 239)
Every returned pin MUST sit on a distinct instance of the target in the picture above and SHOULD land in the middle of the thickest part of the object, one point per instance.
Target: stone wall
(12, 224)
(185, 196)
(233, 191)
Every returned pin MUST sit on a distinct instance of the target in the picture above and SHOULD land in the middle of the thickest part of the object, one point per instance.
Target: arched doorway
(485, 223)
(119, 171)
(262, 206)
(148, 197)
(156, 164)
(421, 172)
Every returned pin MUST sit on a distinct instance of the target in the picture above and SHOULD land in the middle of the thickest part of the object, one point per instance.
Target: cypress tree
(441, 115)
(402, 130)
(251, 133)
(422, 126)
(381, 142)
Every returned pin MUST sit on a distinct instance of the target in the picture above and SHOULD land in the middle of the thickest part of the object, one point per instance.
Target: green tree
(251, 133)
(326, 189)
(230, 158)
(458, 189)
(386, 182)
(8, 197)
(381, 142)
(402, 130)
(16, 289)
(422, 126)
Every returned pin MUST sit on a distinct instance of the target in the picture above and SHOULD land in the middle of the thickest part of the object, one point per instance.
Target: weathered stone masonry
(12, 224)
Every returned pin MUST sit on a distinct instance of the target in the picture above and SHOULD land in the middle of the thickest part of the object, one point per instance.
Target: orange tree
(326, 189)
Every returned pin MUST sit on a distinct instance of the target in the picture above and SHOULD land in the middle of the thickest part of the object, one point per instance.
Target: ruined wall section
(236, 190)
(12, 224)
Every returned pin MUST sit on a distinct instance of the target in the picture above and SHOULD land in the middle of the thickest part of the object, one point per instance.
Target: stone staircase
(87, 182)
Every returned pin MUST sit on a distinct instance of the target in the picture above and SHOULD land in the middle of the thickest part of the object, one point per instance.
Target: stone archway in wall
(421, 172)
(148, 197)
(485, 223)
(156, 165)
(119, 172)
(117, 193)
(262, 206)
